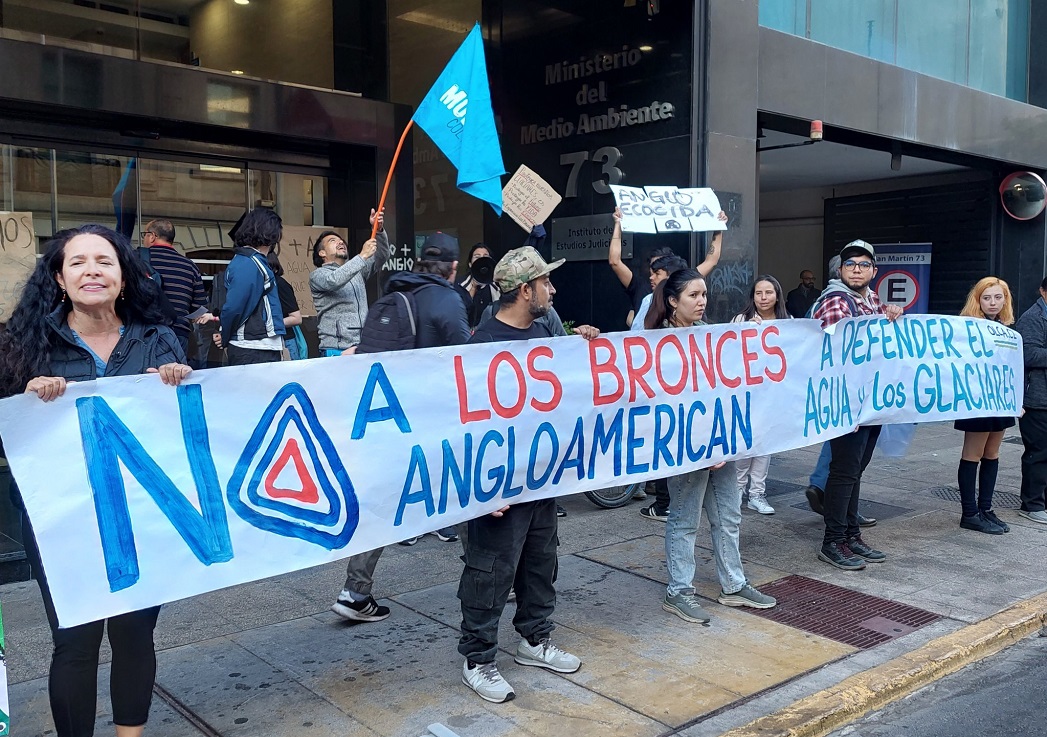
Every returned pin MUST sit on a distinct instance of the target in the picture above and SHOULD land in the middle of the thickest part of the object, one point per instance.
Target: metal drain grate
(1000, 499)
(777, 488)
(847, 616)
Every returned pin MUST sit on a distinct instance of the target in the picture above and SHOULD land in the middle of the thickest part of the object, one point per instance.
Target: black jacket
(1033, 328)
(141, 347)
(441, 311)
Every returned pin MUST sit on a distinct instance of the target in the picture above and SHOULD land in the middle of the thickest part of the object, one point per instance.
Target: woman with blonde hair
(989, 299)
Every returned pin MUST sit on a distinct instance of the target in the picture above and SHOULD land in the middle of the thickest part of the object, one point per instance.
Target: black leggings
(73, 681)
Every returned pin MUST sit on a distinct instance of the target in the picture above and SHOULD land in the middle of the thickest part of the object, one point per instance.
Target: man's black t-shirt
(288, 301)
(495, 331)
(638, 289)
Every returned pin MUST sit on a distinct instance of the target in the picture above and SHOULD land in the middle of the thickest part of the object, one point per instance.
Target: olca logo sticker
(289, 479)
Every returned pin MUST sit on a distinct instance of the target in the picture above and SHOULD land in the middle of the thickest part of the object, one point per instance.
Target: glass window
(865, 27)
(785, 15)
(998, 57)
(932, 38)
(96, 188)
(25, 186)
(980, 43)
(202, 201)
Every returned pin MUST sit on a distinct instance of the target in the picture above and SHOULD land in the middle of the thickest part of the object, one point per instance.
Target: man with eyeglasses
(180, 278)
(850, 296)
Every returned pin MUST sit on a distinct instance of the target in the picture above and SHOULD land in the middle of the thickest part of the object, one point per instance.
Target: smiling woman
(88, 310)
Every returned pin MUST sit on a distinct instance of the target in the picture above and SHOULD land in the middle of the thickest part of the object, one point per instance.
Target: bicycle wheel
(614, 496)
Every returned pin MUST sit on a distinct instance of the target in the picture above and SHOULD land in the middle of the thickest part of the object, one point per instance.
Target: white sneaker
(758, 503)
(488, 683)
(546, 655)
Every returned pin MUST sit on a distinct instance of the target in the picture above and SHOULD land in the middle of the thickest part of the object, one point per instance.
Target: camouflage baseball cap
(520, 266)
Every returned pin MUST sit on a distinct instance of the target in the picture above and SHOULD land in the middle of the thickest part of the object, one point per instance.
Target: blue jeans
(820, 475)
(687, 497)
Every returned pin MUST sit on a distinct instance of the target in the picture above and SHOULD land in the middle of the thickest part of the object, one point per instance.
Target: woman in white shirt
(766, 302)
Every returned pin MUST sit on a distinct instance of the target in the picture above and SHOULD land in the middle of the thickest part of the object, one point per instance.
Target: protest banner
(528, 199)
(141, 494)
(667, 209)
(903, 276)
(296, 256)
(17, 258)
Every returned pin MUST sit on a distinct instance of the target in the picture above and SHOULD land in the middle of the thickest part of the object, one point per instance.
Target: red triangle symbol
(308, 494)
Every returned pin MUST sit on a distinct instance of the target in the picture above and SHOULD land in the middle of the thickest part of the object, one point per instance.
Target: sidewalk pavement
(269, 658)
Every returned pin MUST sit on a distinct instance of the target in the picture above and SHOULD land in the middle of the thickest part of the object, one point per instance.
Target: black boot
(986, 486)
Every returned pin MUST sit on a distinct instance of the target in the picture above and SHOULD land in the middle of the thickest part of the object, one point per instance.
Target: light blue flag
(471, 145)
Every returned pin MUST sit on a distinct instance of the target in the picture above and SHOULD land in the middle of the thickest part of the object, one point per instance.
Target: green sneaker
(747, 596)
(685, 606)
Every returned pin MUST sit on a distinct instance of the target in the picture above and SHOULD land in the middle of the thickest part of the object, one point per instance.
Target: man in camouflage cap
(519, 266)
(516, 544)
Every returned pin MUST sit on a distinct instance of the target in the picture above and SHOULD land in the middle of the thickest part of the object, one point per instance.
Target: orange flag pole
(389, 177)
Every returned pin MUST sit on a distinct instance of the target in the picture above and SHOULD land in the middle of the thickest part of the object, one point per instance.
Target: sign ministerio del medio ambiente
(594, 92)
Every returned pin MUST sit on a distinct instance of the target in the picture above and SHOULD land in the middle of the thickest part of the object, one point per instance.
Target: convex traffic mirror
(1023, 194)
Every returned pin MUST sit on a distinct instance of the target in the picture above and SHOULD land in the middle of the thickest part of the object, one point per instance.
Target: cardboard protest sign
(17, 258)
(528, 199)
(668, 209)
(296, 255)
(247, 472)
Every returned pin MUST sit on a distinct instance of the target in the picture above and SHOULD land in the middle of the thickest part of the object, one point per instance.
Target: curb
(822, 712)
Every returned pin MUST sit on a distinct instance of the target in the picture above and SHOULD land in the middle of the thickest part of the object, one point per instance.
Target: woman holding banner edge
(989, 299)
(679, 302)
(89, 310)
(766, 302)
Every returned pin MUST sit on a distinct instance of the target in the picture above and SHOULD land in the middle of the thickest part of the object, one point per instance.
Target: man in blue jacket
(252, 320)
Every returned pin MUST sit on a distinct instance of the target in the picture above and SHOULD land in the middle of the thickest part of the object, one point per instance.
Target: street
(1001, 695)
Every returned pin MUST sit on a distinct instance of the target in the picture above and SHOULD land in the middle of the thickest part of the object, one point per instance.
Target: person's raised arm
(712, 255)
(383, 248)
(614, 253)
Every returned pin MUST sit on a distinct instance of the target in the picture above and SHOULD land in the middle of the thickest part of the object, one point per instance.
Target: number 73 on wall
(607, 158)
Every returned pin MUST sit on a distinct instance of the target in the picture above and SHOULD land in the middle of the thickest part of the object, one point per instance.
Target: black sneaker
(863, 551)
(652, 513)
(410, 541)
(981, 523)
(991, 515)
(816, 498)
(560, 511)
(367, 610)
(840, 556)
(866, 521)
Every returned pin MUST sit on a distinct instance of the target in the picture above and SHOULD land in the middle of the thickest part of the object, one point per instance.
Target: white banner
(141, 494)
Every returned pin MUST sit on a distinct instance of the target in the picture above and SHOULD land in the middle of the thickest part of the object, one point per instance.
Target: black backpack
(146, 256)
(391, 324)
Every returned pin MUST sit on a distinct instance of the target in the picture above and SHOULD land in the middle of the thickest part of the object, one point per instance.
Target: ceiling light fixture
(242, 2)
(237, 71)
(646, 47)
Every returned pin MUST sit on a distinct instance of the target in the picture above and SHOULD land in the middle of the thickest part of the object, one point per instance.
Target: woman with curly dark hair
(88, 310)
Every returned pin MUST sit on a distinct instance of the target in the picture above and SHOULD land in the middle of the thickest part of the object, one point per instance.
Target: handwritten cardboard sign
(667, 209)
(528, 199)
(296, 255)
(17, 257)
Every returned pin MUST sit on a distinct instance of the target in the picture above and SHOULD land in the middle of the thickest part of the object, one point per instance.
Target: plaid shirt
(836, 307)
